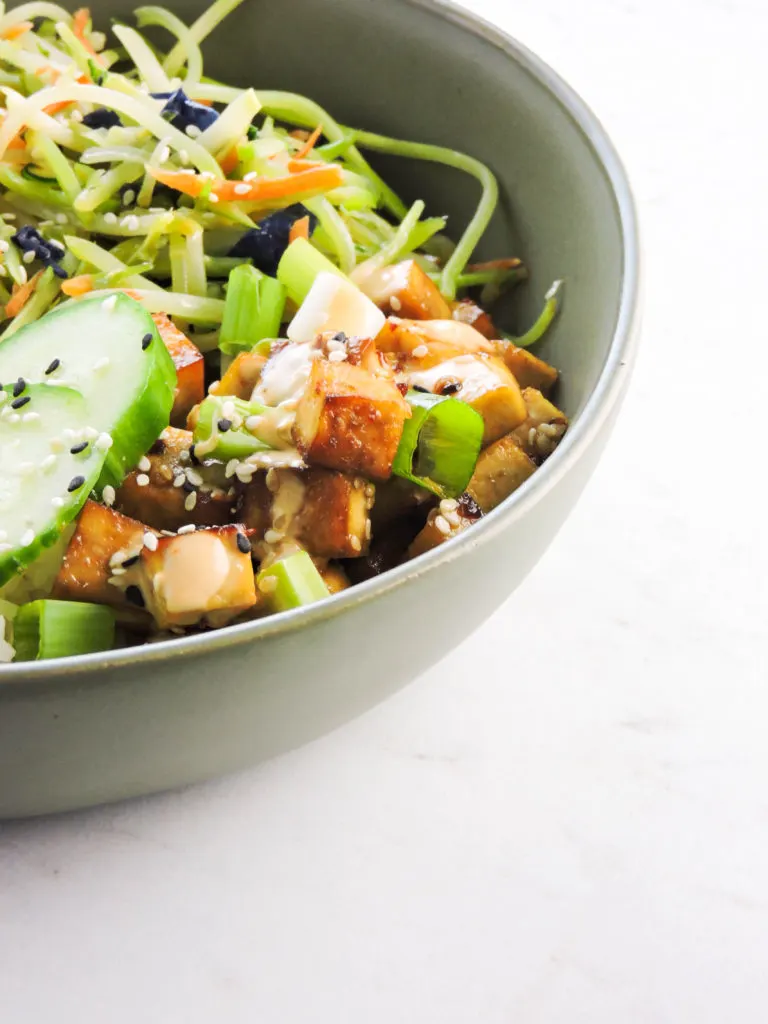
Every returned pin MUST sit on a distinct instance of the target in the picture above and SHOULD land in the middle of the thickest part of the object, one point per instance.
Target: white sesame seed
(268, 584)
(420, 351)
(532, 436)
(26, 538)
(367, 529)
(57, 445)
(273, 537)
(103, 442)
(193, 476)
(133, 222)
(110, 303)
(76, 115)
(101, 364)
(22, 275)
(29, 257)
(180, 480)
(144, 464)
(244, 472)
(253, 423)
(184, 455)
(231, 468)
(30, 417)
(191, 501)
(448, 505)
(442, 524)
(193, 131)
(453, 518)
(395, 303)
(57, 502)
(150, 541)
(337, 357)
(14, 418)
(189, 528)
(242, 189)
(213, 198)
(3, 270)
(142, 480)
(129, 196)
(164, 154)
(355, 544)
(62, 218)
(4, 245)
(110, 218)
(228, 410)
(108, 495)
(184, 156)
(89, 434)
(250, 176)
(48, 463)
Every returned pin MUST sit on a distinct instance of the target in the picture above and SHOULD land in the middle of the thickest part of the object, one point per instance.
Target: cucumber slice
(110, 351)
(44, 478)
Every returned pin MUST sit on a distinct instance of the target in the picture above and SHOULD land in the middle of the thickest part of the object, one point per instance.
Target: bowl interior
(407, 69)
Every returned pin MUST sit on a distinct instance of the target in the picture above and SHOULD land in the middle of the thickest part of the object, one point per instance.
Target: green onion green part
(253, 310)
(61, 629)
(292, 583)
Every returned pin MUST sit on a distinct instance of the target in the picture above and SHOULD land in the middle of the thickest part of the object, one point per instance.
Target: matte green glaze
(83, 731)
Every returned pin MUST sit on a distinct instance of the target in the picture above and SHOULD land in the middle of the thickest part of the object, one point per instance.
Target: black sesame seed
(451, 388)
(134, 595)
(339, 336)
(75, 483)
(188, 487)
(77, 448)
(53, 366)
(131, 561)
(18, 387)
(418, 387)
(158, 447)
(224, 425)
(17, 403)
(146, 341)
(243, 544)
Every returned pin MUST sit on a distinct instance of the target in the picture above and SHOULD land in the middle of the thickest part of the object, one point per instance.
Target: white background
(567, 821)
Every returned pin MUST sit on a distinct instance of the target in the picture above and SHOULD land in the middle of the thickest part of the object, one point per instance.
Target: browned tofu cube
(349, 420)
(407, 291)
(468, 312)
(334, 577)
(241, 377)
(323, 511)
(543, 427)
(190, 367)
(500, 470)
(425, 343)
(103, 541)
(448, 520)
(529, 371)
(201, 578)
(168, 490)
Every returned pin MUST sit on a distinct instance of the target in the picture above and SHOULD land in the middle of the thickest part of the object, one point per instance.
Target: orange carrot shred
(16, 31)
(77, 286)
(316, 178)
(310, 144)
(21, 295)
(81, 20)
(299, 229)
(229, 161)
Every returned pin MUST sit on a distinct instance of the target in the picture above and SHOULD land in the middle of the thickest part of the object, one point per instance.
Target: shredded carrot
(294, 165)
(320, 178)
(77, 286)
(309, 145)
(21, 295)
(205, 103)
(81, 21)
(505, 264)
(229, 161)
(299, 229)
(16, 31)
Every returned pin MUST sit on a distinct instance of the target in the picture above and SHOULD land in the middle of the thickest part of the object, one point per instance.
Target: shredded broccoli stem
(162, 18)
(542, 324)
(199, 31)
(451, 158)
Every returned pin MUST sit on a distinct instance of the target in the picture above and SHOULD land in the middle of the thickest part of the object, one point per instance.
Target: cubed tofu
(468, 312)
(323, 511)
(197, 579)
(103, 541)
(190, 367)
(161, 493)
(426, 343)
(481, 381)
(334, 578)
(543, 427)
(241, 377)
(349, 420)
(500, 470)
(529, 371)
(448, 520)
(406, 291)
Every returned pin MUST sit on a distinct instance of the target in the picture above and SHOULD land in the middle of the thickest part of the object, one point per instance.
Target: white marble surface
(571, 828)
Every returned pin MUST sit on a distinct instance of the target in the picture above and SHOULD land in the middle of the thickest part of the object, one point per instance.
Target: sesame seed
(146, 341)
(30, 417)
(244, 472)
(118, 570)
(191, 501)
(57, 502)
(48, 463)
(231, 467)
(453, 518)
(224, 425)
(62, 218)
(448, 505)
(110, 303)
(268, 584)
(355, 544)
(132, 560)
(273, 537)
(395, 303)
(13, 417)
(243, 544)
(180, 480)
(144, 464)
(193, 131)
(164, 154)
(22, 275)
(52, 367)
(242, 189)
(18, 387)
(250, 176)
(442, 524)
(108, 495)
(184, 156)
(253, 423)
(101, 364)
(189, 528)
(213, 198)
(75, 483)
(19, 403)
(103, 442)
(3, 270)
(29, 257)
(228, 409)
(132, 222)
(129, 196)
(420, 351)
(26, 538)
(367, 529)
(337, 357)
(193, 476)
(110, 218)
(150, 541)
(134, 595)
(77, 448)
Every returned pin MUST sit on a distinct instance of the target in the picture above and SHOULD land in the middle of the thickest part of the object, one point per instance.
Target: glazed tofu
(203, 578)
(528, 370)
(241, 377)
(160, 490)
(323, 511)
(334, 577)
(543, 427)
(429, 342)
(190, 368)
(500, 470)
(406, 291)
(349, 420)
(103, 541)
(448, 520)
(467, 312)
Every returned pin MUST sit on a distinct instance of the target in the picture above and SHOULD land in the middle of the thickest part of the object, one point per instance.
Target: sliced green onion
(93, 254)
(292, 583)
(440, 444)
(299, 266)
(61, 629)
(253, 310)
(232, 123)
(233, 442)
(545, 318)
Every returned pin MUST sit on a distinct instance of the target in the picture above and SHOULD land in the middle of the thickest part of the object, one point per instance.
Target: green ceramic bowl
(86, 730)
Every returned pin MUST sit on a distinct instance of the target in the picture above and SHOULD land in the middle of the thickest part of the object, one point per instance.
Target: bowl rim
(598, 407)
